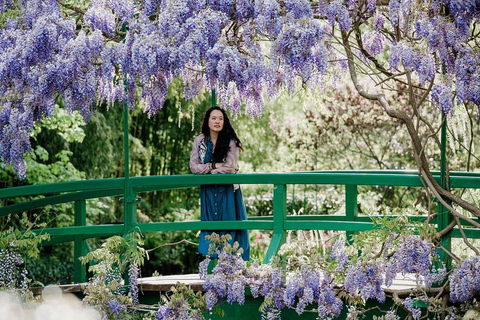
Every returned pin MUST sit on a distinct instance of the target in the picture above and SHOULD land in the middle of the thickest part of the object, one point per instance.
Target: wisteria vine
(111, 50)
(327, 290)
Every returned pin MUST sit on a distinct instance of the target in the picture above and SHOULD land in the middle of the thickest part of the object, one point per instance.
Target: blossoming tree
(101, 51)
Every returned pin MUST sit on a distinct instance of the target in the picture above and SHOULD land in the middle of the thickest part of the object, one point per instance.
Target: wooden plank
(165, 283)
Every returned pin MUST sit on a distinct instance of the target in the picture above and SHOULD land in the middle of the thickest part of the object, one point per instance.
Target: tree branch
(71, 7)
(465, 239)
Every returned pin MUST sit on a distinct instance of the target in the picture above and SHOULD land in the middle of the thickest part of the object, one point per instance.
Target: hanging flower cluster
(113, 50)
(325, 286)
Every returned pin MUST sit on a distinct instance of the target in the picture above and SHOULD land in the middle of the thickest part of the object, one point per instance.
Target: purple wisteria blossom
(115, 307)
(203, 267)
(442, 96)
(414, 255)
(228, 280)
(374, 43)
(133, 272)
(5, 5)
(415, 311)
(338, 254)
(48, 57)
(10, 262)
(164, 312)
(365, 280)
(336, 12)
(329, 304)
(465, 280)
(101, 18)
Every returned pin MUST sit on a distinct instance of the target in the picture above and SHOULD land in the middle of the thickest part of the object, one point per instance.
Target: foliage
(215, 45)
(168, 254)
(51, 267)
(117, 257)
(24, 242)
(334, 279)
(182, 303)
(15, 248)
(259, 242)
(306, 199)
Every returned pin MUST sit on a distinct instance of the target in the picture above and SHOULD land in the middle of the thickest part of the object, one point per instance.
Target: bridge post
(214, 98)
(279, 218)
(129, 195)
(129, 210)
(351, 207)
(80, 245)
(443, 215)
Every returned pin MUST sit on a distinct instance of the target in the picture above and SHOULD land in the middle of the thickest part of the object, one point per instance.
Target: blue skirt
(221, 203)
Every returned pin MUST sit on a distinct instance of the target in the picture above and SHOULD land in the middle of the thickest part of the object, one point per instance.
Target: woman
(215, 151)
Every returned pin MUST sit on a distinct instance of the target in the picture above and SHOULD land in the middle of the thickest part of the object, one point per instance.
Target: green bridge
(128, 189)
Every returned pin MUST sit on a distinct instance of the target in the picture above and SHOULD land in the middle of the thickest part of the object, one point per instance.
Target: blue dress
(221, 202)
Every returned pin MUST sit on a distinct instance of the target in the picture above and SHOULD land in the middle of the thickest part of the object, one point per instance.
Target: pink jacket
(196, 158)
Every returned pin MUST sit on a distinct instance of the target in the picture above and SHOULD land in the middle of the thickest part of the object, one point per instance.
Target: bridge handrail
(79, 191)
(401, 178)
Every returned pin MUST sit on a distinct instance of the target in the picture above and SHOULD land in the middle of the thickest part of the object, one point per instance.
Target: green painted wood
(57, 199)
(464, 174)
(278, 178)
(81, 190)
(205, 225)
(214, 98)
(340, 218)
(160, 188)
(394, 178)
(470, 233)
(129, 195)
(328, 225)
(57, 240)
(471, 182)
(279, 218)
(79, 244)
(69, 186)
(85, 231)
(130, 211)
(351, 206)
(444, 217)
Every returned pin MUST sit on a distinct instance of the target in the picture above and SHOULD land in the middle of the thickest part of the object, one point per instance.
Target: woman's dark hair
(224, 137)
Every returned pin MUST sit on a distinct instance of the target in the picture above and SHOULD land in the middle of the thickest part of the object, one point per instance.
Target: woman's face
(215, 122)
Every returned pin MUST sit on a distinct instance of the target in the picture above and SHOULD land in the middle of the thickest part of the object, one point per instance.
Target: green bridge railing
(80, 191)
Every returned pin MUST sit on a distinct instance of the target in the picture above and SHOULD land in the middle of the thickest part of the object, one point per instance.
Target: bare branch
(465, 239)
(71, 7)
(445, 204)
(450, 254)
(367, 54)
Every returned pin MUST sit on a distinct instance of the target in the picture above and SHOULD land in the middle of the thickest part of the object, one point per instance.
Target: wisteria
(133, 272)
(112, 49)
(10, 269)
(408, 303)
(304, 288)
(365, 279)
(329, 304)
(228, 280)
(416, 256)
(442, 96)
(465, 280)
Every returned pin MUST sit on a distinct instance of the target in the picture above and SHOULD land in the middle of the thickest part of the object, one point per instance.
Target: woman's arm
(195, 165)
(230, 162)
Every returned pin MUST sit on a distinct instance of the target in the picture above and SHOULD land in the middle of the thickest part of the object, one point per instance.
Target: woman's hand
(218, 165)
